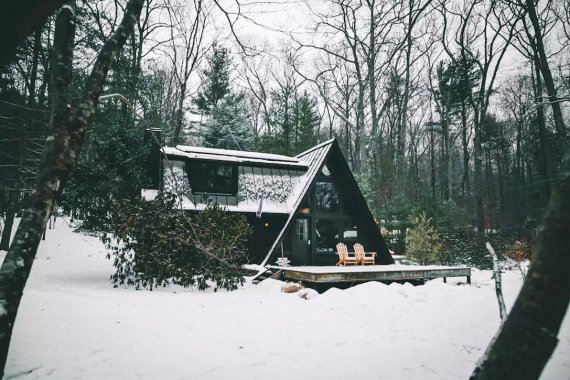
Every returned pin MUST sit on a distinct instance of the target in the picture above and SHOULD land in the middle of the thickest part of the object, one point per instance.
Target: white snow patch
(149, 194)
(72, 323)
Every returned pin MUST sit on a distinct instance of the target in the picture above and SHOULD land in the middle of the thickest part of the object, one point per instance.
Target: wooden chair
(345, 258)
(364, 257)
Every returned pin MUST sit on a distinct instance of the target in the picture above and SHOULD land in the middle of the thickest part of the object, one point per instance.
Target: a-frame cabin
(299, 207)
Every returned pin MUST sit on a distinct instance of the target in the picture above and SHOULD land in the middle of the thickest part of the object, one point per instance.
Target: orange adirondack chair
(345, 258)
(364, 257)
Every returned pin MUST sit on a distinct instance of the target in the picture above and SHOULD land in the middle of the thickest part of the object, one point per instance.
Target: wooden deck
(348, 274)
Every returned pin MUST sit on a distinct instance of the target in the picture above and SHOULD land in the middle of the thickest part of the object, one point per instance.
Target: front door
(301, 247)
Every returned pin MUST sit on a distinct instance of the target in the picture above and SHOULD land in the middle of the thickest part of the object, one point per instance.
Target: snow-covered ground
(73, 324)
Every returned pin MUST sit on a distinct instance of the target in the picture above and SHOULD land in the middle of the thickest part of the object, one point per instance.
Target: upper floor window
(327, 197)
(213, 177)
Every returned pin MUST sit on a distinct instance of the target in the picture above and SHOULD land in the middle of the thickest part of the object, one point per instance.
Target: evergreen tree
(217, 80)
(295, 123)
(111, 169)
(307, 122)
(228, 126)
(423, 241)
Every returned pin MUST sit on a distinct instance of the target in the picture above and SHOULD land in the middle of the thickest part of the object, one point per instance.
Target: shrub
(464, 247)
(154, 244)
(423, 241)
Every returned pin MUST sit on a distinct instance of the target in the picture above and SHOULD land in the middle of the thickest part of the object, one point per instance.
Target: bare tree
(535, 32)
(482, 33)
(188, 24)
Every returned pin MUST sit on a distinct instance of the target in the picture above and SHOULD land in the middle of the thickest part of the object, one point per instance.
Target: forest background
(455, 109)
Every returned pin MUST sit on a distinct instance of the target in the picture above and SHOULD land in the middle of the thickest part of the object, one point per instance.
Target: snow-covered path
(73, 324)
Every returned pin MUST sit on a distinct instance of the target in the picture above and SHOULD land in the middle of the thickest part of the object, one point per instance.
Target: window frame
(196, 172)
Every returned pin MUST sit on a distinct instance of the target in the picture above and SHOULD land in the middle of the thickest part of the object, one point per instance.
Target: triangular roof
(316, 157)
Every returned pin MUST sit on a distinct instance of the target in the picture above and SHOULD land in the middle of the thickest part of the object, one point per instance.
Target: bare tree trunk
(402, 130)
(34, 70)
(445, 157)
(60, 156)
(546, 73)
(465, 143)
(432, 162)
(8, 221)
(477, 178)
(528, 336)
(541, 127)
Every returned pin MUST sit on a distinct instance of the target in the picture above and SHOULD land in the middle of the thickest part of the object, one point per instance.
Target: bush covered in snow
(464, 247)
(154, 244)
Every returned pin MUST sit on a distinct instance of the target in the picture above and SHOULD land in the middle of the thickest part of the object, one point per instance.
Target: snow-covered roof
(236, 153)
(278, 187)
(227, 155)
(279, 181)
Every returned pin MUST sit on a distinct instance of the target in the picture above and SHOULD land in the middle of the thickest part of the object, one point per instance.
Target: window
(326, 231)
(349, 232)
(326, 197)
(212, 177)
(303, 229)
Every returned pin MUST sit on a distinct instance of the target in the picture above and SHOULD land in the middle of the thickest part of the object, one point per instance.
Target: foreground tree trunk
(528, 337)
(8, 223)
(59, 159)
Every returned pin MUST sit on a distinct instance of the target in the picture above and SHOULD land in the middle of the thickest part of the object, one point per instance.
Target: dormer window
(213, 177)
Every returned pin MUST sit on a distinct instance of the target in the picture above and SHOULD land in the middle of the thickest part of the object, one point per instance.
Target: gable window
(327, 197)
(213, 177)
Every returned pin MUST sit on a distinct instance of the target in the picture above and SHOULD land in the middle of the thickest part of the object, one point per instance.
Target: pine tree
(228, 126)
(217, 80)
(423, 241)
(295, 122)
(307, 122)
(111, 169)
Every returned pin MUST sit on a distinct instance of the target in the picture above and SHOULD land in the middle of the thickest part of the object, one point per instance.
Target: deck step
(269, 273)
